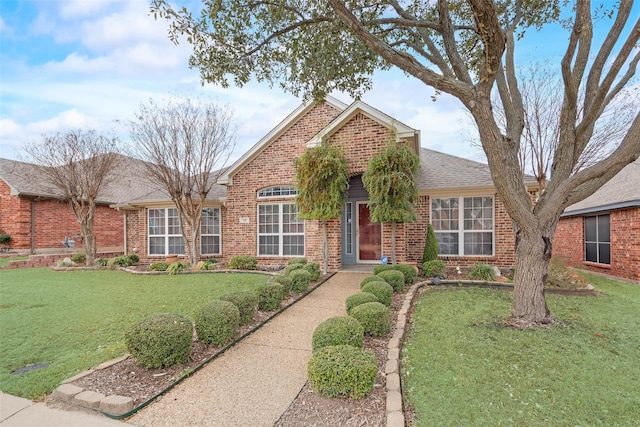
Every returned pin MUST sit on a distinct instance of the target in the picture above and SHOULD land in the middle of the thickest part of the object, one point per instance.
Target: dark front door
(369, 236)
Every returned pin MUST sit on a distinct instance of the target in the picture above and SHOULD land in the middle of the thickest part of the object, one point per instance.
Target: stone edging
(395, 412)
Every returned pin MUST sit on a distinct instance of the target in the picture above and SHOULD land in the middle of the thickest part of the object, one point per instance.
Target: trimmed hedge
(297, 261)
(217, 322)
(434, 267)
(343, 370)
(374, 317)
(286, 282)
(301, 279)
(382, 290)
(243, 262)
(408, 271)
(370, 279)
(160, 340)
(293, 267)
(314, 269)
(343, 330)
(246, 302)
(382, 267)
(393, 277)
(270, 296)
(360, 298)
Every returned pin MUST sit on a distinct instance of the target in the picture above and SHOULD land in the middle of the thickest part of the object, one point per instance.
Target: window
(278, 191)
(466, 231)
(210, 231)
(280, 231)
(165, 236)
(596, 239)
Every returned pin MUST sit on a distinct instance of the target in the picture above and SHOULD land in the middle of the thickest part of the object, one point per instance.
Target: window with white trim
(466, 231)
(165, 236)
(597, 240)
(278, 191)
(210, 231)
(280, 231)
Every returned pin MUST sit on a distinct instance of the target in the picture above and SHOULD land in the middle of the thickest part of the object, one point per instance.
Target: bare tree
(80, 165)
(185, 146)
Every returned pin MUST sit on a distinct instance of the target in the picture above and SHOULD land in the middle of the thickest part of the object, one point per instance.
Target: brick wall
(568, 243)
(53, 220)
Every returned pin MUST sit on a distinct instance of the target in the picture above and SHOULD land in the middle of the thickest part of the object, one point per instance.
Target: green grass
(5, 261)
(76, 320)
(463, 366)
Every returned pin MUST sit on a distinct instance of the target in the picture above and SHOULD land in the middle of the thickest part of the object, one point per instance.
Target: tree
(322, 178)
(79, 165)
(461, 47)
(430, 251)
(391, 183)
(185, 147)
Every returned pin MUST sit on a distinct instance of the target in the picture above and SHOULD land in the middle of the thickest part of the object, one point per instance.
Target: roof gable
(291, 119)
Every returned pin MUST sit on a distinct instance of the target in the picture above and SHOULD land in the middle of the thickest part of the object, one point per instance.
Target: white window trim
(280, 233)
(286, 196)
(166, 234)
(214, 235)
(461, 231)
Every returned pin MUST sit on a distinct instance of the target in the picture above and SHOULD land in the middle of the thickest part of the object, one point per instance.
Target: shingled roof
(623, 190)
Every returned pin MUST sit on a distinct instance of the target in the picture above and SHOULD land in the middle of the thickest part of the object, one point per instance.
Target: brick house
(38, 220)
(252, 210)
(602, 232)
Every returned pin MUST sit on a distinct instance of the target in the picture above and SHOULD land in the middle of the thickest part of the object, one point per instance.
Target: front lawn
(76, 320)
(463, 366)
(5, 261)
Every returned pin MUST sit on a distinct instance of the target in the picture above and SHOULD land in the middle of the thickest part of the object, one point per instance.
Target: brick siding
(568, 243)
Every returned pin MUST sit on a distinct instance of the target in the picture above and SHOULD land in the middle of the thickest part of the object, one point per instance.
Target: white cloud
(80, 8)
(66, 120)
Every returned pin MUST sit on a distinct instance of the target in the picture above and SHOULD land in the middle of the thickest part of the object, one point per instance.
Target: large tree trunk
(325, 248)
(533, 253)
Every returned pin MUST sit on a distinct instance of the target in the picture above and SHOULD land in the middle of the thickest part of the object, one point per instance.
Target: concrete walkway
(253, 383)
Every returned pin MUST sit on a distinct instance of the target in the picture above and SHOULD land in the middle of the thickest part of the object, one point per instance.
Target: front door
(369, 236)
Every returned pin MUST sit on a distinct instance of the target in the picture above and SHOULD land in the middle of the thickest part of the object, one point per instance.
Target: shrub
(382, 290)
(297, 261)
(176, 267)
(343, 330)
(217, 322)
(393, 277)
(374, 317)
(4, 238)
(434, 268)
(208, 264)
(101, 262)
(343, 370)
(370, 279)
(160, 340)
(482, 272)
(360, 298)
(243, 262)
(286, 282)
(121, 261)
(79, 258)
(159, 266)
(314, 269)
(293, 267)
(270, 296)
(382, 267)
(300, 280)
(430, 251)
(408, 271)
(246, 302)
(133, 258)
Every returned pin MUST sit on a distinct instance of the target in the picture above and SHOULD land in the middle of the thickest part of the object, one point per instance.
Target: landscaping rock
(67, 392)
(116, 405)
(89, 399)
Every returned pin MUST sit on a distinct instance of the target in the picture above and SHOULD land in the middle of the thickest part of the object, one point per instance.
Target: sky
(90, 64)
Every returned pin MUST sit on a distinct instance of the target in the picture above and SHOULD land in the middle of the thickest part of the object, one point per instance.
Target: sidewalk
(254, 382)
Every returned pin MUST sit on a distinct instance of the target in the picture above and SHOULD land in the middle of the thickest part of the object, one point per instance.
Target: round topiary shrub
(286, 282)
(370, 279)
(374, 317)
(314, 269)
(393, 277)
(270, 296)
(133, 258)
(343, 370)
(297, 261)
(382, 267)
(160, 340)
(343, 330)
(382, 290)
(217, 322)
(293, 267)
(409, 272)
(360, 298)
(246, 302)
(301, 279)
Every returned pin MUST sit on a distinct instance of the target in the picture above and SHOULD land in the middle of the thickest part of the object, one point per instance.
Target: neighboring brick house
(38, 220)
(602, 232)
(252, 210)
